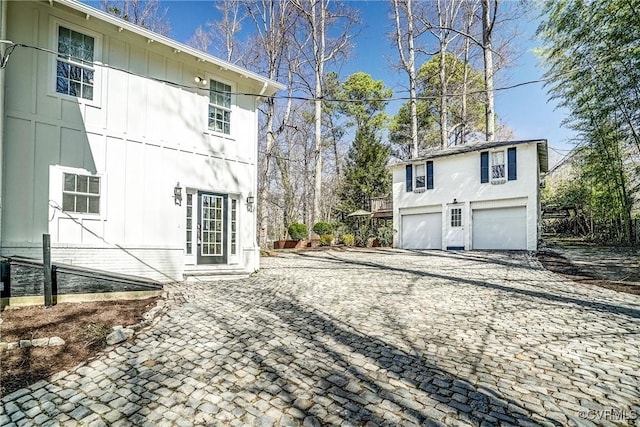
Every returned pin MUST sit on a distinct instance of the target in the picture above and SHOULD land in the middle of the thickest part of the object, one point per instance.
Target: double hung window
(220, 107)
(75, 70)
(419, 177)
(498, 168)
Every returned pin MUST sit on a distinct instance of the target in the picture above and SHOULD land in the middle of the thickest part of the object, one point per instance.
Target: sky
(524, 109)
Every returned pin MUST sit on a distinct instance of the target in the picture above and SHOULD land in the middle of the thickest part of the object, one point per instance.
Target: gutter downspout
(3, 35)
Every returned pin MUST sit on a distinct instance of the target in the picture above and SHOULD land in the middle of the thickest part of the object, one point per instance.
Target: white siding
(142, 136)
(458, 177)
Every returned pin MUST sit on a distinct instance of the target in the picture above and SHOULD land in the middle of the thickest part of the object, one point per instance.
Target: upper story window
(493, 164)
(75, 70)
(81, 193)
(421, 176)
(220, 107)
(497, 166)
(420, 179)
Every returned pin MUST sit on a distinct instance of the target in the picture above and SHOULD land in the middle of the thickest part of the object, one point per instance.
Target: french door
(212, 226)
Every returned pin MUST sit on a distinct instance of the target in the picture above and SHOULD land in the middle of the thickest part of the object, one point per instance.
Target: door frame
(455, 233)
(205, 259)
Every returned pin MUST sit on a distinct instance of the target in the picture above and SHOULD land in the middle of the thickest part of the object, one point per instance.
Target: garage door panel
(422, 231)
(501, 228)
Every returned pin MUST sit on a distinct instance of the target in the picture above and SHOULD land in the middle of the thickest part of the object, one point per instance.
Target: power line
(5, 59)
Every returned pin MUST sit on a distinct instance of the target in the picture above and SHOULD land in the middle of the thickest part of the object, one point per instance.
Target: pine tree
(365, 174)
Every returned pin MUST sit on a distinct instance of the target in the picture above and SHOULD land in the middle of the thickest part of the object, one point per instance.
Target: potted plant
(325, 231)
(298, 232)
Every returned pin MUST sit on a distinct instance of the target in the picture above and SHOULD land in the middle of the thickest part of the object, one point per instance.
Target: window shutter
(512, 164)
(429, 175)
(409, 178)
(484, 167)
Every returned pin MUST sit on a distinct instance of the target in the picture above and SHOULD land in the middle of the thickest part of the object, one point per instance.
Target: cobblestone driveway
(357, 337)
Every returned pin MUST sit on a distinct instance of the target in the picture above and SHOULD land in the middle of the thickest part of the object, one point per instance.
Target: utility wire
(5, 59)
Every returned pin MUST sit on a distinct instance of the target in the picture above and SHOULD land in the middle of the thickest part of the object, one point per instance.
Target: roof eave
(470, 148)
(269, 86)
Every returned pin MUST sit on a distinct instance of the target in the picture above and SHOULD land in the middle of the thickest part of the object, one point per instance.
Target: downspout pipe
(3, 36)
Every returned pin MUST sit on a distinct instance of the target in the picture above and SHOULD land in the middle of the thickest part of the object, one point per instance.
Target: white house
(136, 153)
(477, 196)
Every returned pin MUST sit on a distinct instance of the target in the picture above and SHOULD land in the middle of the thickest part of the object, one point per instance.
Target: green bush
(326, 239)
(339, 230)
(363, 233)
(385, 236)
(349, 239)
(298, 231)
(321, 228)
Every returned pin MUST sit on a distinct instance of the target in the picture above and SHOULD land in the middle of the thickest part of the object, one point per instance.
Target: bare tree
(470, 9)
(200, 39)
(222, 35)
(273, 22)
(322, 17)
(405, 37)
(447, 15)
(489, 13)
(146, 13)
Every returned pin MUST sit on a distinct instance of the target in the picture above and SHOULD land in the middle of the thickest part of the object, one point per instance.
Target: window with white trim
(421, 175)
(75, 70)
(219, 107)
(497, 167)
(81, 193)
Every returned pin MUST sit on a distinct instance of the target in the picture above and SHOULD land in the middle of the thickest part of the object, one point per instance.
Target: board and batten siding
(140, 135)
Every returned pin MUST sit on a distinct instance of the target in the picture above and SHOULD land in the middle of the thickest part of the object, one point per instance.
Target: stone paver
(365, 338)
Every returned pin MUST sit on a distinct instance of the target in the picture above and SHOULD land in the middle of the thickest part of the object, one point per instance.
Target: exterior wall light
(177, 194)
(455, 201)
(250, 201)
(201, 81)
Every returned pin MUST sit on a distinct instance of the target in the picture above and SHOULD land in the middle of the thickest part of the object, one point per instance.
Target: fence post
(46, 265)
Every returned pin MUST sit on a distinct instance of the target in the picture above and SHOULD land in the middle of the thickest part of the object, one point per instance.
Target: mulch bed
(83, 327)
(557, 263)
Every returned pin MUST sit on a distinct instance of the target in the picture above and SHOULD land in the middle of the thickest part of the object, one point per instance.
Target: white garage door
(503, 228)
(422, 231)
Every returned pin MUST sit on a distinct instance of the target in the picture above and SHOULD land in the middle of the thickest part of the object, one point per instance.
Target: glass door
(212, 228)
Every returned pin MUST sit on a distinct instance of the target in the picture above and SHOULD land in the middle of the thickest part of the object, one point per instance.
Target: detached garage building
(476, 196)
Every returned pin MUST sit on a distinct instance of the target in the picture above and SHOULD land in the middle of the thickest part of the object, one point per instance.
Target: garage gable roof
(543, 155)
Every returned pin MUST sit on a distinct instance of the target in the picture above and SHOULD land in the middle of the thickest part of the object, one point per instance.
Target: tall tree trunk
(319, 47)
(263, 181)
(444, 122)
(469, 17)
(488, 20)
(288, 207)
(408, 60)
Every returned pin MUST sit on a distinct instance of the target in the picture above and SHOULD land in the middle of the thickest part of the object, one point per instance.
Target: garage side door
(503, 228)
(422, 231)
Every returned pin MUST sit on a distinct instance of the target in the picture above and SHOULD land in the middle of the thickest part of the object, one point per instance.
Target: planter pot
(289, 244)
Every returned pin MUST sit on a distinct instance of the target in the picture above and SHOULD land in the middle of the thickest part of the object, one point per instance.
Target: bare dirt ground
(83, 327)
(614, 268)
